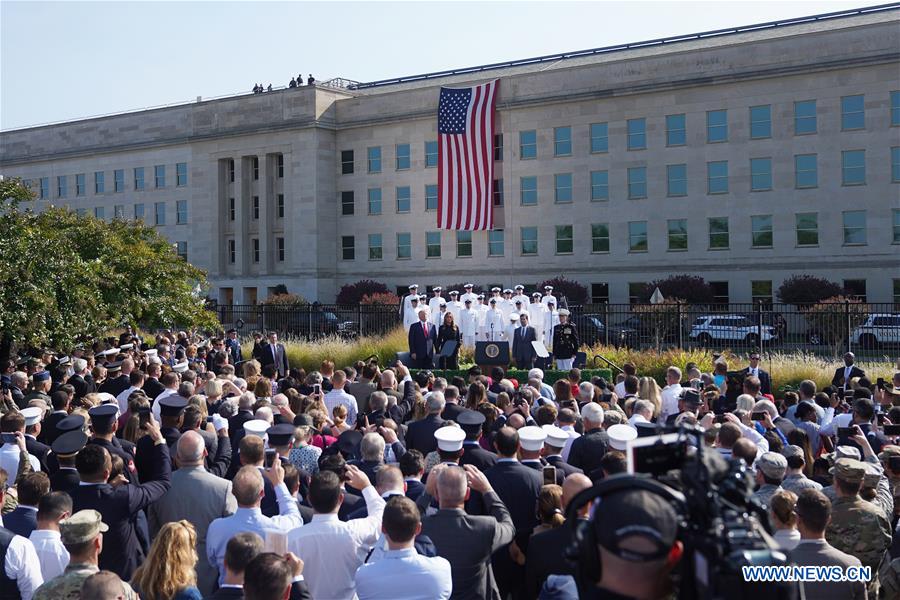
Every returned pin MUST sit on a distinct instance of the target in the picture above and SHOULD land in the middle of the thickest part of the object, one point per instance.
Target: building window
(119, 180)
(402, 156)
(856, 288)
(599, 137)
(496, 192)
(678, 235)
(637, 236)
(431, 154)
(528, 191)
(760, 174)
(432, 244)
(806, 171)
(637, 292)
(637, 134)
(896, 294)
(495, 242)
(255, 207)
(761, 231)
(232, 252)
(231, 209)
(895, 164)
(599, 185)
(463, 244)
(375, 249)
(181, 175)
(404, 245)
(761, 292)
(255, 250)
(717, 177)
(43, 187)
(529, 241)
(403, 197)
(676, 180)
(254, 165)
(139, 211)
(853, 167)
(279, 165)
(676, 131)
(807, 226)
(720, 291)
(637, 183)
(599, 293)
(498, 146)
(159, 176)
(346, 162)
(139, 179)
(80, 184)
(853, 112)
(718, 233)
(760, 122)
(279, 248)
(62, 186)
(562, 184)
(805, 117)
(854, 227)
(564, 239)
(81, 212)
(562, 141)
(99, 182)
(231, 170)
(527, 144)
(119, 211)
(181, 212)
(348, 247)
(181, 250)
(159, 211)
(431, 197)
(279, 206)
(100, 212)
(599, 237)
(895, 109)
(373, 155)
(896, 225)
(716, 126)
(347, 203)
(375, 201)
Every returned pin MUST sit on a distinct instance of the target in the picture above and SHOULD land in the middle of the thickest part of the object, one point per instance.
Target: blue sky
(64, 60)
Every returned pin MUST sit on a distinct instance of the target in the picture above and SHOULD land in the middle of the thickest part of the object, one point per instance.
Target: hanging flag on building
(466, 157)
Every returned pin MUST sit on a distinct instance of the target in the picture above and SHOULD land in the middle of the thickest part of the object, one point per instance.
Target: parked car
(307, 323)
(646, 330)
(879, 330)
(592, 330)
(730, 328)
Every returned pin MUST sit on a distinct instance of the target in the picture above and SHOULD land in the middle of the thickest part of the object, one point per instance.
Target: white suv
(710, 328)
(879, 329)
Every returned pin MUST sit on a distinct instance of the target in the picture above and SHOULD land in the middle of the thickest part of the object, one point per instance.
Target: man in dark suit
(240, 552)
(117, 380)
(421, 338)
(23, 520)
(452, 407)
(79, 380)
(843, 375)
(119, 505)
(473, 454)
(523, 351)
(152, 385)
(362, 389)
(420, 434)
(765, 381)
(60, 401)
(272, 353)
(412, 466)
(467, 541)
(587, 450)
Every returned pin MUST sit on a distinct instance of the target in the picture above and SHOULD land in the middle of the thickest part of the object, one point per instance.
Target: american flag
(466, 157)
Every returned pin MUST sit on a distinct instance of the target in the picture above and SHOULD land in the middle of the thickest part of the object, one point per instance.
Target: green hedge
(550, 377)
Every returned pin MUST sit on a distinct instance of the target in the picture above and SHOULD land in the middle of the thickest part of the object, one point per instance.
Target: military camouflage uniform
(68, 585)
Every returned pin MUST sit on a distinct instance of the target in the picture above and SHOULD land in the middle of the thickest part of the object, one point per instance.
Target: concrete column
(243, 192)
(267, 170)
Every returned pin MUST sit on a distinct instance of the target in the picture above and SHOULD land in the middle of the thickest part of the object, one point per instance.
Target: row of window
(255, 250)
(255, 208)
(118, 181)
(854, 233)
(805, 122)
(159, 212)
(254, 167)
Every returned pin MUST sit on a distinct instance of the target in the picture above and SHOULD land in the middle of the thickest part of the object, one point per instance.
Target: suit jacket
(421, 346)
(420, 434)
(122, 552)
(299, 591)
(38, 450)
(523, 351)
(48, 427)
(546, 557)
(467, 542)
(587, 450)
(765, 380)
(153, 388)
(414, 489)
(115, 386)
(198, 497)
(838, 379)
(21, 521)
(280, 359)
(451, 411)
(64, 480)
(474, 454)
(518, 486)
(539, 467)
(81, 385)
(361, 390)
(821, 553)
(117, 447)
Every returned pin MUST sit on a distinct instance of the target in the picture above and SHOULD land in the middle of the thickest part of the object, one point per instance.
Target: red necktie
(425, 329)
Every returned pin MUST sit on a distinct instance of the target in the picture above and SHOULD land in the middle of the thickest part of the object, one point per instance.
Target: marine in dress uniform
(565, 342)
(66, 447)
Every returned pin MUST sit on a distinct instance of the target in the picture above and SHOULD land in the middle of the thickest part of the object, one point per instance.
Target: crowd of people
(174, 468)
(259, 88)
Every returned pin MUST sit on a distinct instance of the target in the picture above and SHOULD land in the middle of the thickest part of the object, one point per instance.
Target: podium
(492, 354)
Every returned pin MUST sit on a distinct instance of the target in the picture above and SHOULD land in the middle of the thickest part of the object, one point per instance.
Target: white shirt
(51, 553)
(122, 399)
(9, 461)
(573, 435)
(332, 550)
(22, 565)
(669, 400)
(155, 408)
(437, 316)
(551, 320)
(620, 391)
(339, 396)
(404, 575)
(787, 538)
(635, 419)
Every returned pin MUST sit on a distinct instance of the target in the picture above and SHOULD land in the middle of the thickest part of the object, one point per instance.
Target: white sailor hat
(127, 346)
(437, 288)
(548, 287)
(454, 293)
(495, 289)
(32, 415)
(449, 439)
(151, 352)
(415, 298)
(423, 297)
(563, 312)
(519, 287)
(513, 316)
(256, 427)
(536, 295)
(556, 437)
(109, 352)
(468, 285)
(507, 291)
(481, 296)
(493, 301)
(620, 435)
(414, 286)
(180, 367)
(532, 438)
(107, 398)
(442, 303)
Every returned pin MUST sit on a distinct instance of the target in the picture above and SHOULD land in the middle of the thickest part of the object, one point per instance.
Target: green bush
(550, 376)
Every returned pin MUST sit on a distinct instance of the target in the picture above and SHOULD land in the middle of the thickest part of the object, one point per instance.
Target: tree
(804, 290)
(285, 299)
(690, 288)
(66, 278)
(832, 319)
(352, 293)
(381, 298)
(663, 319)
(572, 291)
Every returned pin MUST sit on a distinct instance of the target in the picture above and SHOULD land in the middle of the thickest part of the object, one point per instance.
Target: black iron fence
(829, 329)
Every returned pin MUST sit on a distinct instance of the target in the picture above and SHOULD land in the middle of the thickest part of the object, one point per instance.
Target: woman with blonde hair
(648, 389)
(339, 416)
(168, 572)
(784, 519)
(549, 508)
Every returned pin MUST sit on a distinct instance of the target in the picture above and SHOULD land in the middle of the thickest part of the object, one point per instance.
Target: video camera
(721, 527)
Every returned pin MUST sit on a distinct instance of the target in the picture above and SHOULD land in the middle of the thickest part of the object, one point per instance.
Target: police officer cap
(32, 415)
(256, 427)
(280, 435)
(83, 526)
(531, 438)
(620, 435)
(71, 423)
(348, 442)
(849, 470)
(40, 376)
(556, 437)
(449, 439)
(470, 418)
(69, 443)
(172, 406)
(103, 414)
(563, 312)
(112, 367)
